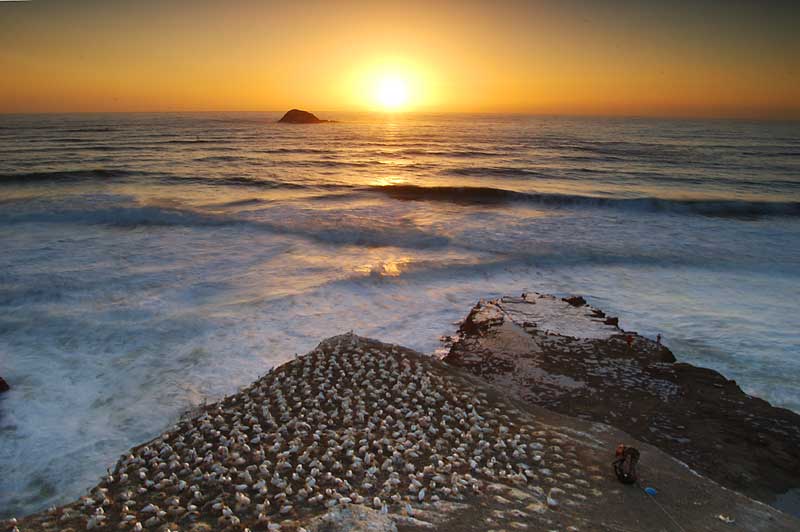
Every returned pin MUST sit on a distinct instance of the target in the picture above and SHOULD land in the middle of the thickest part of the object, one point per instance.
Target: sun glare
(390, 85)
(391, 92)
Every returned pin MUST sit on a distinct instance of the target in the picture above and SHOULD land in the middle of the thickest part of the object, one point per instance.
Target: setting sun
(391, 84)
(391, 92)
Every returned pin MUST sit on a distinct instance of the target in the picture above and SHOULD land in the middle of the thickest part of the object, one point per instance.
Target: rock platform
(571, 358)
(361, 435)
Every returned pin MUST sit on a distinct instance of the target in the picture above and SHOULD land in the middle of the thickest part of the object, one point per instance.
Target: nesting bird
(351, 422)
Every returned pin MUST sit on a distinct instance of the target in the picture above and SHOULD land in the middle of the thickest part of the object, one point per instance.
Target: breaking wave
(339, 231)
(488, 195)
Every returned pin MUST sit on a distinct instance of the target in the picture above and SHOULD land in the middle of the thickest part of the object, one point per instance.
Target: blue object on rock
(650, 491)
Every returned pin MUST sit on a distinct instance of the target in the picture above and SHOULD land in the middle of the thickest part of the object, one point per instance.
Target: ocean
(150, 262)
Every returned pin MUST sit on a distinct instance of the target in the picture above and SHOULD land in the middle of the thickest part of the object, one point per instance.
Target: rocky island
(298, 116)
(360, 435)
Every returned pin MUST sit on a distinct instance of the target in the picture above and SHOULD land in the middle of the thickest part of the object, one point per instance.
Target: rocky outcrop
(4, 387)
(298, 116)
(575, 301)
(358, 433)
(574, 360)
(353, 518)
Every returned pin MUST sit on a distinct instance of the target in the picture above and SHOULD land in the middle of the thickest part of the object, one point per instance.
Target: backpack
(625, 464)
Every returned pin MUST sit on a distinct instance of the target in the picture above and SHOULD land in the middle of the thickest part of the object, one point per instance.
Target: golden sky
(703, 58)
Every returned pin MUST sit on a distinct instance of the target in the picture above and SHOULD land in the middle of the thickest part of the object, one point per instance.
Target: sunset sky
(728, 58)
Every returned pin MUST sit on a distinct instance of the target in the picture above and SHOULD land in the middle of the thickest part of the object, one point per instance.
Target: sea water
(150, 262)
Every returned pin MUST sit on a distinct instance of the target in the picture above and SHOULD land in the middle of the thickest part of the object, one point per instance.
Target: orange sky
(708, 58)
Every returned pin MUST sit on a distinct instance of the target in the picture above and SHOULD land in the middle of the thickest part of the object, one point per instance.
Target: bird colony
(352, 422)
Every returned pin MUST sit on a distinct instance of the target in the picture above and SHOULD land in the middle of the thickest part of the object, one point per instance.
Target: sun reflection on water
(385, 181)
(386, 267)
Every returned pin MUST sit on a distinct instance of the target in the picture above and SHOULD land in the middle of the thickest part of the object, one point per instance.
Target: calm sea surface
(150, 262)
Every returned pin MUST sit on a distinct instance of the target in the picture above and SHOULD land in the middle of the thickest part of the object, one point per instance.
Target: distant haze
(706, 58)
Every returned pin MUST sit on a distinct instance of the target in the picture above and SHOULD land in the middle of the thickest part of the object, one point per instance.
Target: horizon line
(791, 118)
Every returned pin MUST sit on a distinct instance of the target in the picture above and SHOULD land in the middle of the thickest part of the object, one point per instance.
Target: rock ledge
(569, 357)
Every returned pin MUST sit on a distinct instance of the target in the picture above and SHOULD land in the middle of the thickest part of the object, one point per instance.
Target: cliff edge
(359, 435)
(571, 358)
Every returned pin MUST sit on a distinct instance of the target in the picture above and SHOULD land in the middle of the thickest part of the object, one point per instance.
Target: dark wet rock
(298, 116)
(612, 321)
(580, 364)
(575, 301)
(4, 387)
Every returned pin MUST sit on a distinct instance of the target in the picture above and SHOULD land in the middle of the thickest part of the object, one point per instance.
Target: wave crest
(488, 195)
(340, 230)
(68, 175)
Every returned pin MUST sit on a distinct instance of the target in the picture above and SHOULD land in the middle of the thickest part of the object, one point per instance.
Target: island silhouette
(298, 116)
